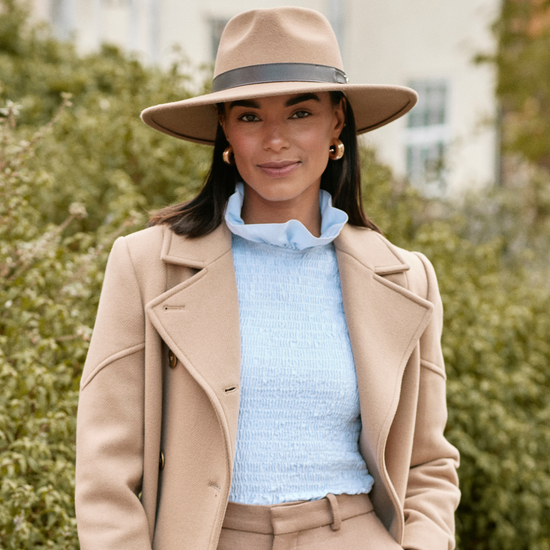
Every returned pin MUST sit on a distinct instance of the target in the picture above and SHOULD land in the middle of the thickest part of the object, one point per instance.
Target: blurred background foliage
(523, 85)
(99, 149)
(520, 210)
(78, 168)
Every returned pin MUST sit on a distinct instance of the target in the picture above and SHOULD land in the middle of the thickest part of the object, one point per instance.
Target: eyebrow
(244, 103)
(301, 98)
(253, 104)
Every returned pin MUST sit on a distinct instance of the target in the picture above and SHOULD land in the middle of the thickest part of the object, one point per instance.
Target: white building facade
(447, 144)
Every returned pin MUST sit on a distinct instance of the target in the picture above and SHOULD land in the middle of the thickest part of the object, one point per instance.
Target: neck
(304, 208)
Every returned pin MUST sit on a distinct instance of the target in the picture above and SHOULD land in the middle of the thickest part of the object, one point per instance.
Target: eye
(301, 114)
(248, 117)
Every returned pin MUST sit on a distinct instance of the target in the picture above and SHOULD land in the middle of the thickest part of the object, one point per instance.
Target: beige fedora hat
(277, 51)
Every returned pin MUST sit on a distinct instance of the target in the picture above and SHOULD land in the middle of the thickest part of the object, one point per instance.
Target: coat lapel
(385, 322)
(199, 320)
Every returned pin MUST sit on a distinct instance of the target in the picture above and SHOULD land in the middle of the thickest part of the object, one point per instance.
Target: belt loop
(336, 515)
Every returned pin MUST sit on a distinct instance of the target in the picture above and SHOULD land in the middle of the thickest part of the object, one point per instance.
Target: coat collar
(195, 253)
(198, 253)
(370, 249)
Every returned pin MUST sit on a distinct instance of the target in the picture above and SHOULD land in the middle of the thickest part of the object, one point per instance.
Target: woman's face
(281, 143)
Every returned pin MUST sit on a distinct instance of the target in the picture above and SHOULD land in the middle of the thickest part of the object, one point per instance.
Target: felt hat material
(277, 51)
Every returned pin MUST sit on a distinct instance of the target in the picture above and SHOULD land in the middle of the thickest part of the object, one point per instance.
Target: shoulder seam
(420, 256)
(133, 269)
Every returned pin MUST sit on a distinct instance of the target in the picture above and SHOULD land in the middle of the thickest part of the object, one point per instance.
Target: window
(63, 17)
(427, 137)
(217, 24)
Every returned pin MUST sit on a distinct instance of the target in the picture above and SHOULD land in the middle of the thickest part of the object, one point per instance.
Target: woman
(265, 370)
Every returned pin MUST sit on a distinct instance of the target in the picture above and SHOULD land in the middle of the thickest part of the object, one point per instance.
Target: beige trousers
(342, 522)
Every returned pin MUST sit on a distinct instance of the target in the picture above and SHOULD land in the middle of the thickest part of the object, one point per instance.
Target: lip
(279, 169)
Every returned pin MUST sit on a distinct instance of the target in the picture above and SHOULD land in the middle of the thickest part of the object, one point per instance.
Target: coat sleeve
(432, 493)
(109, 449)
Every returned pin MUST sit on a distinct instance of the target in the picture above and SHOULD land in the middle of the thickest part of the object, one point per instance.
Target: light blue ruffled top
(292, 234)
(299, 415)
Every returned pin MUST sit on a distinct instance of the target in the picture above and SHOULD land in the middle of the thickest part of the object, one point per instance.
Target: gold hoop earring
(227, 155)
(336, 150)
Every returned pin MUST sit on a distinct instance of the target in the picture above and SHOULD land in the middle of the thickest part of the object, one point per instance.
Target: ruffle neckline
(293, 234)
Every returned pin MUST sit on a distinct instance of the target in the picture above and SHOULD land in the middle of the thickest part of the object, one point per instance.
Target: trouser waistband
(279, 519)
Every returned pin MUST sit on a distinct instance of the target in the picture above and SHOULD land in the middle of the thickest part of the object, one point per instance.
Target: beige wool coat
(159, 401)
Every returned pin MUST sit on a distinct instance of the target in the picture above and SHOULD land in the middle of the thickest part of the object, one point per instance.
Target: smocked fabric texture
(299, 415)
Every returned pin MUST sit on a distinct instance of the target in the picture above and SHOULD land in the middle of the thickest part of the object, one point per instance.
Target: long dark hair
(203, 214)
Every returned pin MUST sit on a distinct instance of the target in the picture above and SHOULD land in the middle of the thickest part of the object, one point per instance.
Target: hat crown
(277, 51)
(277, 35)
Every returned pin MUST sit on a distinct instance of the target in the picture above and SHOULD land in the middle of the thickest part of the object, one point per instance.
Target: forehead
(280, 101)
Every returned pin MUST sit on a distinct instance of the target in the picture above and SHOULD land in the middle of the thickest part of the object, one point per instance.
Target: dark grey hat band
(278, 72)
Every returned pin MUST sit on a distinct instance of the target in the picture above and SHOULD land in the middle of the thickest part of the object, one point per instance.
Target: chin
(281, 195)
(278, 190)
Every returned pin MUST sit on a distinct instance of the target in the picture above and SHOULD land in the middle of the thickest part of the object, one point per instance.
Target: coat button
(172, 359)
(161, 461)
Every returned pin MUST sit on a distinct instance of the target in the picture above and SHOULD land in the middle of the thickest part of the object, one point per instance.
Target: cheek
(320, 137)
(243, 156)
(241, 144)
(317, 143)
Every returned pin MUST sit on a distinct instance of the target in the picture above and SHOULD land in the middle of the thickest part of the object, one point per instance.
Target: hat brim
(196, 119)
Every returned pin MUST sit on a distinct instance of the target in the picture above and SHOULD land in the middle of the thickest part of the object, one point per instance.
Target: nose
(275, 137)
